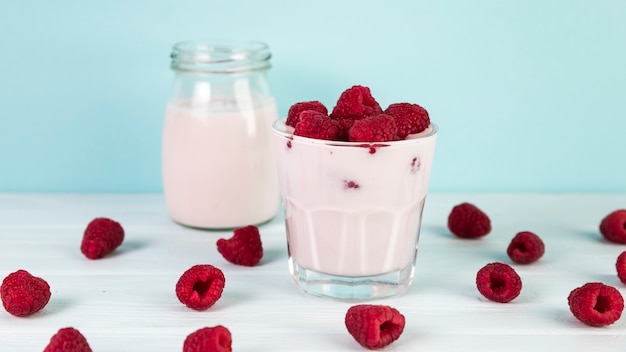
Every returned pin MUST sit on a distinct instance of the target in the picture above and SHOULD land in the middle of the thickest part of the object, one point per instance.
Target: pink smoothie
(218, 165)
(352, 209)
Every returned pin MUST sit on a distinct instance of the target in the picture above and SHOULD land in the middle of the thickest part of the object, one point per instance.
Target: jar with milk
(217, 158)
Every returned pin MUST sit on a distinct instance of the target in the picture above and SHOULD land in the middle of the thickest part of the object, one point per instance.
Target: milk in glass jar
(217, 158)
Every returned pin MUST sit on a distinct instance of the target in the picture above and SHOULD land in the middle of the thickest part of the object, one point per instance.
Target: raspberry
(409, 118)
(596, 304)
(314, 124)
(293, 116)
(68, 340)
(102, 236)
(379, 128)
(214, 339)
(200, 286)
(344, 129)
(356, 103)
(498, 282)
(620, 265)
(244, 248)
(374, 326)
(467, 221)
(613, 226)
(525, 247)
(24, 294)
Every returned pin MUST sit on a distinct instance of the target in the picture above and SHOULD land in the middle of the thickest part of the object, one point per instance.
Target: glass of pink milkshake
(353, 211)
(217, 155)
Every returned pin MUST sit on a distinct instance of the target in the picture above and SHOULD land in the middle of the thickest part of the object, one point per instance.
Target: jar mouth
(220, 56)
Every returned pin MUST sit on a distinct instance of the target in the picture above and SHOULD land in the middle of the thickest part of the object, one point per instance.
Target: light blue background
(530, 96)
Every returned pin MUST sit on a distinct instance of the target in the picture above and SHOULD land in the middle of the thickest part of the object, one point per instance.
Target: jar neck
(220, 57)
(188, 84)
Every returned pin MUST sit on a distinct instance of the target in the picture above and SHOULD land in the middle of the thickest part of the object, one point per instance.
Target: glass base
(349, 288)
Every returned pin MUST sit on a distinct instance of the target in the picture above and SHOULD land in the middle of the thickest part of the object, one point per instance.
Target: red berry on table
(23, 294)
(356, 103)
(293, 116)
(467, 221)
(101, 237)
(243, 248)
(209, 339)
(374, 326)
(68, 340)
(498, 282)
(409, 118)
(596, 304)
(200, 286)
(525, 248)
(378, 128)
(620, 266)
(613, 226)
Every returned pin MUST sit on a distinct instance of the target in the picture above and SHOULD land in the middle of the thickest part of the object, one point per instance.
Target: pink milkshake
(353, 211)
(218, 163)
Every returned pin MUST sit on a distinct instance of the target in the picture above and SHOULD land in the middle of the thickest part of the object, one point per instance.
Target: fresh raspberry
(314, 124)
(293, 116)
(374, 326)
(243, 248)
(24, 294)
(613, 226)
(467, 221)
(498, 282)
(409, 118)
(68, 340)
(356, 103)
(344, 129)
(525, 248)
(379, 128)
(596, 304)
(200, 286)
(620, 265)
(102, 236)
(213, 339)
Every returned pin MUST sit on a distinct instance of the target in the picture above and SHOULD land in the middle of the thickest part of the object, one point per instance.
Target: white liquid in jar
(218, 164)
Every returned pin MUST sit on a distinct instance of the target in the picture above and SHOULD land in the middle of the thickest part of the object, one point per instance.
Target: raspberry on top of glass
(357, 117)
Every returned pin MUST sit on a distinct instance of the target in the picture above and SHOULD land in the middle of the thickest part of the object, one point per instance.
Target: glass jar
(217, 156)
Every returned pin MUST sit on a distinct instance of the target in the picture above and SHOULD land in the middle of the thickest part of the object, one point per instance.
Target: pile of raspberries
(357, 117)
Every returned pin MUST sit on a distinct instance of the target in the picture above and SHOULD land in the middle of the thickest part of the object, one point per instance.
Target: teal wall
(530, 96)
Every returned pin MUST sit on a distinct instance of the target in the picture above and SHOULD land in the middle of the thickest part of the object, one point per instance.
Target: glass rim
(220, 55)
(434, 131)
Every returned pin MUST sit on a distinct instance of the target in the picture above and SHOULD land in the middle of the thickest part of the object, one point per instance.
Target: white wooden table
(126, 302)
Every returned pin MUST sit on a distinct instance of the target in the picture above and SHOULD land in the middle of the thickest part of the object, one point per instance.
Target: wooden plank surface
(126, 302)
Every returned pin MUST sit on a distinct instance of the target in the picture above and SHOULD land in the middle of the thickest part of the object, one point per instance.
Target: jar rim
(220, 56)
